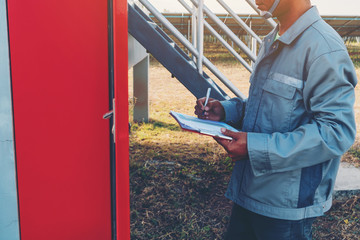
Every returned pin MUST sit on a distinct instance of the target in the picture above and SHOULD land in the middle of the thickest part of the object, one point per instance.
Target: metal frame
(238, 20)
(221, 39)
(170, 55)
(200, 35)
(191, 48)
(228, 32)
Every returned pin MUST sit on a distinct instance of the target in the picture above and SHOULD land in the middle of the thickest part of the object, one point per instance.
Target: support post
(254, 49)
(200, 35)
(141, 90)
(193, 31)
(253, 45)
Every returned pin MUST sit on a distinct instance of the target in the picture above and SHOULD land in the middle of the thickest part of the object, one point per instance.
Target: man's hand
(236, 148)
(212, 111)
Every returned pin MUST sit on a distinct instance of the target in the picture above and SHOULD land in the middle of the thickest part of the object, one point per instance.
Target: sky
(325, 7)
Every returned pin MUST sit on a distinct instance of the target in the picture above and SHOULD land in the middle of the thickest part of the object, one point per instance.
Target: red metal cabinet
(59, 66)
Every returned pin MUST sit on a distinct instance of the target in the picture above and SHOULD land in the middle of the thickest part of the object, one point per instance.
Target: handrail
(193, 32)
(200, 36)
(239, 21)
(193, 26)
(196, 47)
(228, 47)
(228, 32)
(221, 39)
(191, 48)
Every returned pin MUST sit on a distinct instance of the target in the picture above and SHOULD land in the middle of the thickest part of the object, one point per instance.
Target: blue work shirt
(299, 118)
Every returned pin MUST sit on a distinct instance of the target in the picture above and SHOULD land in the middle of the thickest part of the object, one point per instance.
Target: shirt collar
(306, 20)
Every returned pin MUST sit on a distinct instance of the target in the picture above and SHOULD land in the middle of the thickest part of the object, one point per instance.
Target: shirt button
(269, 40)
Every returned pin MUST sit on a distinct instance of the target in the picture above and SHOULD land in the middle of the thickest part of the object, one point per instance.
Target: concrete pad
(348, 178)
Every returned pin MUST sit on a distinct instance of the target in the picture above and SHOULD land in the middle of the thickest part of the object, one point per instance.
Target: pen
(207, 98)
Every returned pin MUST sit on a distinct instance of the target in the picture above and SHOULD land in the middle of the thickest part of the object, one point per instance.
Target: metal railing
(198, 23)
(239, 21)
(228, 32)
(221, 39)
(200, 35)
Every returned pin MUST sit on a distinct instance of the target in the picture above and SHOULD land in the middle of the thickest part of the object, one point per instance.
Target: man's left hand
(236, 148)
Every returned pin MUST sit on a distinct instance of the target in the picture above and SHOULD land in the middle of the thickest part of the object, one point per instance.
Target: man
(295, 125)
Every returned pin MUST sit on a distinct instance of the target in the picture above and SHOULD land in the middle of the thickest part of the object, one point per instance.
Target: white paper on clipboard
(206, 127)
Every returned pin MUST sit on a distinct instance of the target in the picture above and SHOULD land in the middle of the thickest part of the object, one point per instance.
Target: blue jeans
(246, 225)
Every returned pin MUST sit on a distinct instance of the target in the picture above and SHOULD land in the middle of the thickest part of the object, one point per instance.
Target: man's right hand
(212, 111)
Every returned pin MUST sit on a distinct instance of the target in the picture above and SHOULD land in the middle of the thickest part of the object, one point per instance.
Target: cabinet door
(59, 65)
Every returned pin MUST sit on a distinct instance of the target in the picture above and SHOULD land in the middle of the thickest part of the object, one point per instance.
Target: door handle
(110, 114)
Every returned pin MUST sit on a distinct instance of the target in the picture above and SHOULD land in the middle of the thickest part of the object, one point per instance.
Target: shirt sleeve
(234, 111)
(329, 96)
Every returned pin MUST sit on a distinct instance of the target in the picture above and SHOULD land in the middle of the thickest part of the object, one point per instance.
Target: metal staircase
(177, 62)
(170, 55)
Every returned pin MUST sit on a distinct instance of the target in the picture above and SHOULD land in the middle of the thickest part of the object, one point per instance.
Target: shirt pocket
(280, 92)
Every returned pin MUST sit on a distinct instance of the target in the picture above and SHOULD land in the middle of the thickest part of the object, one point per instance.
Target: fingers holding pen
(201, 110)
(198, 107)
(202, 104)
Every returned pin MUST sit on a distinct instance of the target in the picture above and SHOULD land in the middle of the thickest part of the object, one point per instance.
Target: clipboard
(202, 126)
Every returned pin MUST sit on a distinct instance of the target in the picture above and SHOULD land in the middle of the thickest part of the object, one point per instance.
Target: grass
(341, 222)
(354, 52)
(177, 184)
(178, 179)
(178, 194)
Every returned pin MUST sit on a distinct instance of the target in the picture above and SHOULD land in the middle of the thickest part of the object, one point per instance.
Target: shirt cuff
(257, 144)
(231, 110)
